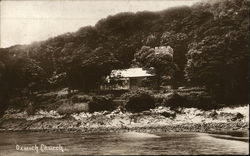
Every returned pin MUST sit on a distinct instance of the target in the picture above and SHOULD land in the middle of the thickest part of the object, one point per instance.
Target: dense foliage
(191, 99)
(101, 103)
(160, 59)
(209, 42)
(139, 100)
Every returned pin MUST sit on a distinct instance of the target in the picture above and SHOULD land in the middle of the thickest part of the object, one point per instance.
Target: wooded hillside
(209, 40)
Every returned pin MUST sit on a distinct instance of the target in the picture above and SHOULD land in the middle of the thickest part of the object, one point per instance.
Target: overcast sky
(23, 22)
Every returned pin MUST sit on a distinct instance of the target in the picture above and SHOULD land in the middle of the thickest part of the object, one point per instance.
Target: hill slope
(209, 41)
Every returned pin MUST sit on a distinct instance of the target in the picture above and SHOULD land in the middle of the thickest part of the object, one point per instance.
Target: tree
(179, 42)
(4, 96)
(220, 63)
(153, 40)
(24, 73)
(161, 59)
(4, 81)
(86, 69)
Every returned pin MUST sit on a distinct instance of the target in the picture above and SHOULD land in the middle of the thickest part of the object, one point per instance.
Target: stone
(237, 116)
(168, 114)
(213, 114)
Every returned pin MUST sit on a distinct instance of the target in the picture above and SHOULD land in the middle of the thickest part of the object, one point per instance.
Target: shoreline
(242, 133)
(214, 128)
(161, 119)
(238, 131)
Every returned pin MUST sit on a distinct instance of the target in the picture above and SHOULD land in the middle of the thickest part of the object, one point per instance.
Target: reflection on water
(121, 143)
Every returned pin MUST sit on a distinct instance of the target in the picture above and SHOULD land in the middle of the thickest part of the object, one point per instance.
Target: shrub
(18, 102)
(139, 100)
(68, 108)
(199, 100)
(84, 98)
(101, 103)
(160, 98)
(81, 98)
(202, 101)
(176, 100)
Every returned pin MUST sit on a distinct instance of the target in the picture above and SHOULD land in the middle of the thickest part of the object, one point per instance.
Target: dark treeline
(209, 42)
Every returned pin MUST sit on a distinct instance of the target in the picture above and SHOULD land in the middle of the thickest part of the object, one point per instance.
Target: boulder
(237, 117)
(213, 114)
(168, 114)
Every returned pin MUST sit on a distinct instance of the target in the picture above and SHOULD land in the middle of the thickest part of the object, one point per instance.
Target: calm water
(120, 143)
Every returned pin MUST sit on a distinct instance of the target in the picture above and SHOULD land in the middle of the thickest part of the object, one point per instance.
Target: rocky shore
(161, 119)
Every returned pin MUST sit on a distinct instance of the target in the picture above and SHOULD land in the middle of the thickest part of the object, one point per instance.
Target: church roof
(131, 72)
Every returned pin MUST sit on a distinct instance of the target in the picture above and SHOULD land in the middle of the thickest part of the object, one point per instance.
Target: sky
(23, 22)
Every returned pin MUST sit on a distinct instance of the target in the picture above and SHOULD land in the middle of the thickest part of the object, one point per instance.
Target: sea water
(133, 143)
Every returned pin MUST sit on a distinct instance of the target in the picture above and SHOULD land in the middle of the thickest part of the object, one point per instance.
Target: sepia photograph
(124, 77)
